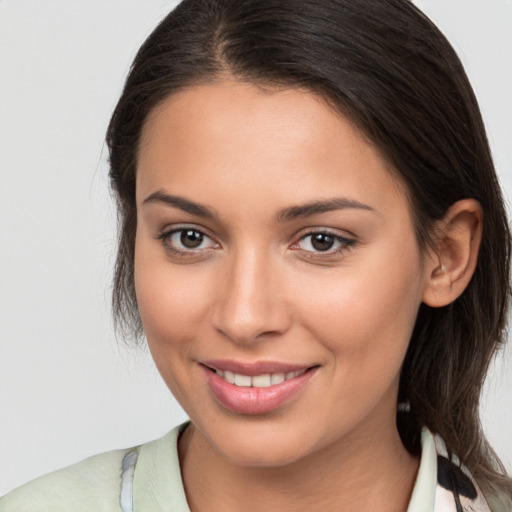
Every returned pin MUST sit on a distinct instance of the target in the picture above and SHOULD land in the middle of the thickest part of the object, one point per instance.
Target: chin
(263, 442)
(258, 455)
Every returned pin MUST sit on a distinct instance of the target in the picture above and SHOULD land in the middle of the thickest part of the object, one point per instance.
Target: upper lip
(255, 368)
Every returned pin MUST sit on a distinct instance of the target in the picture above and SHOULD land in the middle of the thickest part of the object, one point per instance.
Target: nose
(251, 303)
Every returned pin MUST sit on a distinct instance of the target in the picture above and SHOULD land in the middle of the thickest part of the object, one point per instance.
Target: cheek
(367, 309)
(172, 299)
(172, 309)
(364, 319)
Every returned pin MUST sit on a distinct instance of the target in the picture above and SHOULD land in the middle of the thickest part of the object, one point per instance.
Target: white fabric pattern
(127, 471)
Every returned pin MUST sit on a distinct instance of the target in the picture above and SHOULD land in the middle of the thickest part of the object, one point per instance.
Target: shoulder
(93, 484)
(146, 477)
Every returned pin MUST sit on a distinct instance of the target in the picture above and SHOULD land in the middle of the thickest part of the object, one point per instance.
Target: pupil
(322, 242)
(191, 239)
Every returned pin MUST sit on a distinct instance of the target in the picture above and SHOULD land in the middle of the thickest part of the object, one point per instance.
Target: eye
(186, 240)
(324, 242)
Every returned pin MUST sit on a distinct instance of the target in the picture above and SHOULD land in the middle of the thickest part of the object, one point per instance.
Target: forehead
(285, 142)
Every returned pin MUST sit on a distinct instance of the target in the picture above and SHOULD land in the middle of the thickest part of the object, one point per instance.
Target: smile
(258, 381)
(259, 388)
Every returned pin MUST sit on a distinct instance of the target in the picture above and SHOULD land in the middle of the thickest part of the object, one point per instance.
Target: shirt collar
(158, 485)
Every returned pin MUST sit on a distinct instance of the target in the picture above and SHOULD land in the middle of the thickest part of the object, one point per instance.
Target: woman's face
(277, 272)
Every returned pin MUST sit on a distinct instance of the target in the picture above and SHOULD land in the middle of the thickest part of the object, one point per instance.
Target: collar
(443, 484)
(152, 473)
(157, 482)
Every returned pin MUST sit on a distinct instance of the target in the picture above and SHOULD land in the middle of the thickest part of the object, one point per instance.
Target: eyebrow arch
(183, 204)
(316, 207)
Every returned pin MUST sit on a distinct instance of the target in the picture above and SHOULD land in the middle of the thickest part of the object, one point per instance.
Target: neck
(356, 474)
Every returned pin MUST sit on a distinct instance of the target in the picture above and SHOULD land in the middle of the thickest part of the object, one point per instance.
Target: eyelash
(166, 236)
(345, 244)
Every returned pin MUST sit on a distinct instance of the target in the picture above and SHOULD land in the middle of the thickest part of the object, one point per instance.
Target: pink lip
(249, 400)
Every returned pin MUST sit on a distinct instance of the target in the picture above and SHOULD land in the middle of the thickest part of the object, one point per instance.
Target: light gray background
(67, 390)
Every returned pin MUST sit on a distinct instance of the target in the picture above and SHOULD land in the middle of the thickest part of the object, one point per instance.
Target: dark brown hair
(383, 64)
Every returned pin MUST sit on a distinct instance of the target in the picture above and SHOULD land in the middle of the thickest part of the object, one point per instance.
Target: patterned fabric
(127, 471)
(456, 490)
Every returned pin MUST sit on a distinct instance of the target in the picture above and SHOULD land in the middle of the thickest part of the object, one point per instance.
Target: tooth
(290, 375)
(277, 378)
(242, 380)
(299, 372)
(220, 373)
(261, 381)
(229, 376)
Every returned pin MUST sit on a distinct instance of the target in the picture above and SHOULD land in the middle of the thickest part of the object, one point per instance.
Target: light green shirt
(148, 479)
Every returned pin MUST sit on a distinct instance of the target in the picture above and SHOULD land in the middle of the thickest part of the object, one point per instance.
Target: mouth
(258, 381)
(257, 388)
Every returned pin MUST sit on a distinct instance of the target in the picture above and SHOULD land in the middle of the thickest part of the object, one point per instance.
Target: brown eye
(186, 241)
(322, 241)
(191, 239)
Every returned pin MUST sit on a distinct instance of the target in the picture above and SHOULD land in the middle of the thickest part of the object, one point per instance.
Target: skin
(258, 290)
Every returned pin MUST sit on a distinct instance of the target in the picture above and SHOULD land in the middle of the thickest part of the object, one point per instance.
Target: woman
(314, 243)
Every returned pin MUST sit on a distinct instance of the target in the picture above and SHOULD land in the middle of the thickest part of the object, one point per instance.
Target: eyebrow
(284, 215)
(316, 207)
(183, 204)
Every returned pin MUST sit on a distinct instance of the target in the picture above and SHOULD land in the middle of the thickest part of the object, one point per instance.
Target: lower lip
(249, 400)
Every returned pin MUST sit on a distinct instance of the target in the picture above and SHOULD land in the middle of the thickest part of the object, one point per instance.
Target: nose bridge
(250, 302)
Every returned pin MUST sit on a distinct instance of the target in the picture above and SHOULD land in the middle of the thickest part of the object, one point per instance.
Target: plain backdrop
(67, 388)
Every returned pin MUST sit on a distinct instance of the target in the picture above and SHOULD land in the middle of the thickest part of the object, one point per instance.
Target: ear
(450, 264)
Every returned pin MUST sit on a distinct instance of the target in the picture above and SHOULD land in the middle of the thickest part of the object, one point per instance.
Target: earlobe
(451, 262)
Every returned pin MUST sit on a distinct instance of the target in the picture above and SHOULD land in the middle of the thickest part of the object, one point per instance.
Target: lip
(252, 400)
